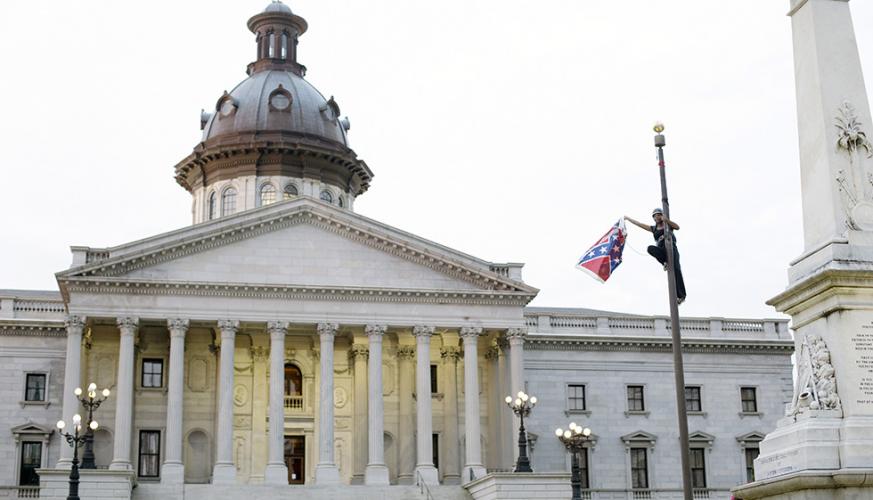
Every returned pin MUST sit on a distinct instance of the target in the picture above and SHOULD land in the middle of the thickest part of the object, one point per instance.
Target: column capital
(406, 352)
(516, 335)
(492, 352)
(228, 327)
(327, 329)
(470, 332)
(359, 350)
(177, 326)
(73, 321)
(375, 330)
(450, 353)
(259, 353)
(127, 325)
(277, 329)
(423, 331)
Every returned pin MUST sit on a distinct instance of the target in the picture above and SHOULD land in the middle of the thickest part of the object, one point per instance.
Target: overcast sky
(511, 130)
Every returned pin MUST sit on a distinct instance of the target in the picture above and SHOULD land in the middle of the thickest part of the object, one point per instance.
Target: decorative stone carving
(340, 397)
(516, 334)
(359, 350)
(450, 354)
(816, 387)
(375, 330)
(423, 331)
(178, 325)
(74, 321)
(128, 323)
(406, 352)
(87, 340)
(492, 352)
(242, 422)
(240, 395)
(277, 327)
(471, 331)
(855, 182)
(259, 353)
(327, 329)
(228, 325)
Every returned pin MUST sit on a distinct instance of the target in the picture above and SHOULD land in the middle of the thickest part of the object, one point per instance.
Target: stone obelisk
(823, 448)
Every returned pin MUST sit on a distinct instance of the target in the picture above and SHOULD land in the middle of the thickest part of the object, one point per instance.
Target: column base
(224, 473)
(276, 473)
(428, 474)
(64, 463)
(120, 465)
(405, 479)
(172, 473)
(472, 472)
(326, 474)
(376, 474)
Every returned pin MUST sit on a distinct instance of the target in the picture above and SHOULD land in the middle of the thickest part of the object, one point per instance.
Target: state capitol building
(283, 339)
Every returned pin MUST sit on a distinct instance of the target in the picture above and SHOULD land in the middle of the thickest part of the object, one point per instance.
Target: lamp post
(75, 440)
(574, 439)
(521, 406)
(91, 402)
(678, 370)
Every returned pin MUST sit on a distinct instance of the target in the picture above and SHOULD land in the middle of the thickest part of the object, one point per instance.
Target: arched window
(228, 202)
(284, 45)
(272, 48)
(293, 381)
(290, 192)
(212, 206)
(268, 194)
(326, 196)
(341, 202)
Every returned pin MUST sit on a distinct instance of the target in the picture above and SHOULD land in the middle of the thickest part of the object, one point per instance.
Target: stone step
(146, 491)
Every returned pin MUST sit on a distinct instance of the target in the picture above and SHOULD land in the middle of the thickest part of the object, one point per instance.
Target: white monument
(823, 448)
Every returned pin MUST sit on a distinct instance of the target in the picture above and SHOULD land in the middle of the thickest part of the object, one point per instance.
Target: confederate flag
(601, 259)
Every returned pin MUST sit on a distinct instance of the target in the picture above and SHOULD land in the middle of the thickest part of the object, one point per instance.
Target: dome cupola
(274, 136)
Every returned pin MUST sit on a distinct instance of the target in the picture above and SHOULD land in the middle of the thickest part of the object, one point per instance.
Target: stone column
(495, 407)
(424, 459)
(72, 375)
(124, 394)
(173, 470)
(359, 353)
(508, 448)
(377, 471)
(406, 427)
(224, 471)
(473, 468)
(276, 471)
(326, 471)
(515, 336)
(450, 460)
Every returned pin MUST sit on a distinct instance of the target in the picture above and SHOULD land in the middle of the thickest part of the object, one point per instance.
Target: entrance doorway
(295, 459)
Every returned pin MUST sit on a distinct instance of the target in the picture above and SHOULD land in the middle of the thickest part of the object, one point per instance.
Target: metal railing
(422, 486)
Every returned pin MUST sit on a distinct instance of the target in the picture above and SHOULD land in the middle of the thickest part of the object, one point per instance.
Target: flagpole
(678, 370)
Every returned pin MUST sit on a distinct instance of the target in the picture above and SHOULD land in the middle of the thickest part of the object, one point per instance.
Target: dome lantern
(276, 32)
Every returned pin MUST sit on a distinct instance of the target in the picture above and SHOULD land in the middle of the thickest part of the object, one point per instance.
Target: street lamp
(521, 406)
(678, 370)
(574, 439)
(75, 439)
(91, 402)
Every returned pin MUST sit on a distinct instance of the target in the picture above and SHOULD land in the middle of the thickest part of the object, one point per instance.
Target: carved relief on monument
(816, 387)
(240, 395)
(855, 182)
(387, 378)
(340, 397)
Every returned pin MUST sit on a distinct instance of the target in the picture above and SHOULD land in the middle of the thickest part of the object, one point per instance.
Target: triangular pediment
(31, 428)
(701, 437)
(751, 437)
(302, 243)
(639, 436)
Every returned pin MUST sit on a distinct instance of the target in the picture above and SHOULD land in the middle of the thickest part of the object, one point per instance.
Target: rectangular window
(435, 443)
(750, 400)
(698, 468)
(635, 400)
(692, 399)
(434, 387)
(35, 387)
(31, 460)
(152, 372)
(149, 453)
(751, 455)
(583, 468)
(639, 468)
(576, 397)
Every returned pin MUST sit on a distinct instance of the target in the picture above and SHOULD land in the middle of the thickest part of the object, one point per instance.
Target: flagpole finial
(658, 128)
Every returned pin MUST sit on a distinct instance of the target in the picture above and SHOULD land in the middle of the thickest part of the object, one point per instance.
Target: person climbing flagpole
(678, 369)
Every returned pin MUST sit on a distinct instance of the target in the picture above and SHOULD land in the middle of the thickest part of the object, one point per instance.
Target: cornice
(292, 292)
(32, 329)
(116, 266)
(632, 344)
(814, 289)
